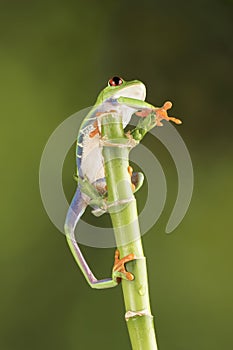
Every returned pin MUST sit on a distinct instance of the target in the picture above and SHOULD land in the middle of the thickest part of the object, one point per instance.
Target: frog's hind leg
(76, 209)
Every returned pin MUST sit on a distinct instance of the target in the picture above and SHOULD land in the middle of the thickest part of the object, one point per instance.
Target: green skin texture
(144, 125)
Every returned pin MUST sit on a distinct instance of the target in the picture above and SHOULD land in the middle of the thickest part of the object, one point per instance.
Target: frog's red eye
(115, 81)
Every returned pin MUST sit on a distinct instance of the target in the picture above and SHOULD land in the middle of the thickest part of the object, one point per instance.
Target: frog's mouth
(137, 91)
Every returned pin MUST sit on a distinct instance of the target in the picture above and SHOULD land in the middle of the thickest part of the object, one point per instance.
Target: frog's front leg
(144, 109)
(161, 114)
(95, 131)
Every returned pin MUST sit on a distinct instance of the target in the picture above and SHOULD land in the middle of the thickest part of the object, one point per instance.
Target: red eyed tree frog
(126, 98)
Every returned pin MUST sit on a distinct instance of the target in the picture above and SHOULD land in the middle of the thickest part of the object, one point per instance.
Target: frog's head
(117, 87)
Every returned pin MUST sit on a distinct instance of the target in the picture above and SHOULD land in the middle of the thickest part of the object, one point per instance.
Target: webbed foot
(161, 113)
(119, 270)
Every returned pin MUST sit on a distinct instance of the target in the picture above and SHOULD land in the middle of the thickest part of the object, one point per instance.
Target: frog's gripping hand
(150, 115)
(76, 209)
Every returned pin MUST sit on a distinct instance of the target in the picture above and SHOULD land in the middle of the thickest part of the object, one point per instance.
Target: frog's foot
(130, 171)
(161, 114)
(96, 130)
(119, 270)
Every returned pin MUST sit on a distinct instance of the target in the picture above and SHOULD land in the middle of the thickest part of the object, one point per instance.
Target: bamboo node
(129, 314)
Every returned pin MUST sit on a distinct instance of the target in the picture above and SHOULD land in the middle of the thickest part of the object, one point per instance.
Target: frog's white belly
(92, 165)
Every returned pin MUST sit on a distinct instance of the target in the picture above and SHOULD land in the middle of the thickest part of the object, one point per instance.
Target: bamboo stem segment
(127, 233)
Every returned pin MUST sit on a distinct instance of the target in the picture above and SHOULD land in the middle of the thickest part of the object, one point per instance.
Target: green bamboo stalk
(125, 223)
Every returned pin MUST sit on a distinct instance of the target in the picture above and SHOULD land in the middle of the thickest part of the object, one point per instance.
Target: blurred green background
(55, 57)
